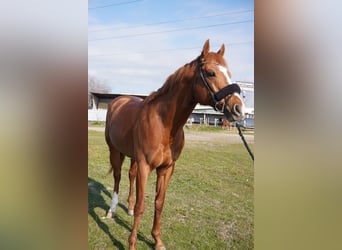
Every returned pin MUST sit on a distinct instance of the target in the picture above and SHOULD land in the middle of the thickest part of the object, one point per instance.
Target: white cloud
(142, 63)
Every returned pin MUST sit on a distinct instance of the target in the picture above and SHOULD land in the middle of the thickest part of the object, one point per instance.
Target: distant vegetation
(96, 123)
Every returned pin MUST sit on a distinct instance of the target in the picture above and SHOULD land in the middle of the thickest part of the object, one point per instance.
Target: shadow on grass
(95, 199)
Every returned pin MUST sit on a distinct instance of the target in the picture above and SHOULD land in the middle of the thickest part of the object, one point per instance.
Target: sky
(134, 45)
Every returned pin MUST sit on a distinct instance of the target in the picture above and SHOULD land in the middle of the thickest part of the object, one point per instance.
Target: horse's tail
(107, 137)
(122, 157)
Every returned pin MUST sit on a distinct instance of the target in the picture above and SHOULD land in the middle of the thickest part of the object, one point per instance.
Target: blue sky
(134, 45)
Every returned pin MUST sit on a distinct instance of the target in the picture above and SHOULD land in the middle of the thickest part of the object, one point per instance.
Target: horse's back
(121, 117)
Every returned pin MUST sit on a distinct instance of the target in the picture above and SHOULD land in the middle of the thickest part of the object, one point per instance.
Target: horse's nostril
(236, 109)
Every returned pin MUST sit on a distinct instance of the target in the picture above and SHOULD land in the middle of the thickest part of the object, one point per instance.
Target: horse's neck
(178, 103)
(181, 113)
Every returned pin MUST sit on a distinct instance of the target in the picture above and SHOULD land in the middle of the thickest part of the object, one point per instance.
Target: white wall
(97, 114)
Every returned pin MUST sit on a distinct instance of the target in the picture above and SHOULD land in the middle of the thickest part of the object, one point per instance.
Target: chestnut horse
(150, 131)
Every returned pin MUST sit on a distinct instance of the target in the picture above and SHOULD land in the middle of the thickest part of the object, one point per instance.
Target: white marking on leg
(224, 70)
(115, 201)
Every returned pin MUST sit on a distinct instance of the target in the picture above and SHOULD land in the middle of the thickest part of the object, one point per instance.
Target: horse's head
(214, 87)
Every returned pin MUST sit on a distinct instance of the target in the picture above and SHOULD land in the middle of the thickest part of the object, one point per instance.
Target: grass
(218, 129)
(96, 124)
(209, 202)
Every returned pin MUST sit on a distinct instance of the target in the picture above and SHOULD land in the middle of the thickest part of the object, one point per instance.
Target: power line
(169, 31)
(164, 50)
(113, 4)
(174, 21)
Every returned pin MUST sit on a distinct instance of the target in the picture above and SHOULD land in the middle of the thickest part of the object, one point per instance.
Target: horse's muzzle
(237, 111)
(234, 109)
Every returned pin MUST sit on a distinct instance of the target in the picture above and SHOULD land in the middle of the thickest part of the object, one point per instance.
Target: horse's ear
(206, 48)
(221, 51)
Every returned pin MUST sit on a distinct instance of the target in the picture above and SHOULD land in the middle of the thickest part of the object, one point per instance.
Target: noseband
(216, 97)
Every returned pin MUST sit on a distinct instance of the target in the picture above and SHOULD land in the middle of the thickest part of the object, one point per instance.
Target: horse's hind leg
(116, 159)
(132, 174)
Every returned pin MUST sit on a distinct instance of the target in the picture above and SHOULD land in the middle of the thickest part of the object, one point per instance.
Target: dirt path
(219, 137)
(205, 136)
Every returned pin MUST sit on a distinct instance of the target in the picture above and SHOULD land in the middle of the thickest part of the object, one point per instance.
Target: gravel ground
(206, 136)
(222, 137)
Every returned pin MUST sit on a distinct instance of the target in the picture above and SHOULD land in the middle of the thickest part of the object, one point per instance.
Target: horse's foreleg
(116, 159)
(163, 179)
(143, 171)
(132, 174)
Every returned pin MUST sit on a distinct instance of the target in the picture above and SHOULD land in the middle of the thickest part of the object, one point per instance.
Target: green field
(209, 201)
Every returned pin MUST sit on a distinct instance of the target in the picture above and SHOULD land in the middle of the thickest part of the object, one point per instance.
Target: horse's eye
(210, 73)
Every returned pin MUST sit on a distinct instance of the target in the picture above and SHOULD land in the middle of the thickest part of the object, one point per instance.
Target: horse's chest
(165, 154)
(160, 156)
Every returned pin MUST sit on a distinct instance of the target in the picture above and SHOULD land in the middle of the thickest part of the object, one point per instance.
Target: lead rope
(244, 141)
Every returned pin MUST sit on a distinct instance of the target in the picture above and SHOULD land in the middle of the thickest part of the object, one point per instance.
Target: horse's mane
(171, 82)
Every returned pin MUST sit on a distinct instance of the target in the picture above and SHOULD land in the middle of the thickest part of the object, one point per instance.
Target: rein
(244, 141)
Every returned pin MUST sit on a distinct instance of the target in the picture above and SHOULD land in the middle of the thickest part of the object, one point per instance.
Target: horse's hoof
(130, 212)
(109, 215)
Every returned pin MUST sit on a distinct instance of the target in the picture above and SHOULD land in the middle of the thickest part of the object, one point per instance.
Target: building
(102, 100)
(97, 110)
(247, 93)
(201, 114)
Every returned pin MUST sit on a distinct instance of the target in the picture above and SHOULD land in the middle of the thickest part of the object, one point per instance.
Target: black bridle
(216, 97)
